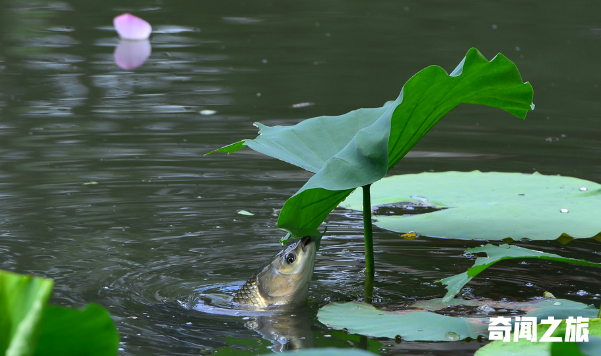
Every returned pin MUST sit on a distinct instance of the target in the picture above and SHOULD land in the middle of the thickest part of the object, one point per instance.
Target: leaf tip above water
(231, 148)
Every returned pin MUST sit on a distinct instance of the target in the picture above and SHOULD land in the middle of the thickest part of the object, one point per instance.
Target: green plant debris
(423, 324)
(358, 148)
(489, 206)
(244, 212)
(496, 254)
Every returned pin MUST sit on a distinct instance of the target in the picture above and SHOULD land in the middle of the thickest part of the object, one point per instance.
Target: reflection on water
(104, 189)
(287, 329)
(286, 332)
(132, 54)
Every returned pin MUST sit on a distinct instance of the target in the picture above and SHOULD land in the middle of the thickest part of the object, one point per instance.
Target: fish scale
(249, 294)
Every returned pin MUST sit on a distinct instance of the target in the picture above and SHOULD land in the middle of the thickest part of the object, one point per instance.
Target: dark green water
(161, 221)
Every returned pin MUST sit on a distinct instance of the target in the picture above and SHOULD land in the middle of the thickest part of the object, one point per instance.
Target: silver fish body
(283, 280)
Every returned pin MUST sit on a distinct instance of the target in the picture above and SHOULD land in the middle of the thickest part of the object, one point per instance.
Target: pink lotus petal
(132, 54)
(132, 27)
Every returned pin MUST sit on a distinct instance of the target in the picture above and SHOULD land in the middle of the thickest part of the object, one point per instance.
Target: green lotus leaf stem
(369, 245)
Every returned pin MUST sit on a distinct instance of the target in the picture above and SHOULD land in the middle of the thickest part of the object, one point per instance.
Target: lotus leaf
(29, 327)
(423, 325)
(22, 303)
(496, 254)
(490, 206)
(358, 148)
(66, 331)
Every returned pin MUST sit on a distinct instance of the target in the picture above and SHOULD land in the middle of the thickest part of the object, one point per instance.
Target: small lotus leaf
(496, 254)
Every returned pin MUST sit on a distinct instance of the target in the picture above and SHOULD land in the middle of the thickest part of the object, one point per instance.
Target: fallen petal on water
(132, 27)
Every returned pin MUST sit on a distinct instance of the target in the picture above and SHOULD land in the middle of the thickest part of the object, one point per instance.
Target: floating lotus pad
(420, 325)
(490, 206)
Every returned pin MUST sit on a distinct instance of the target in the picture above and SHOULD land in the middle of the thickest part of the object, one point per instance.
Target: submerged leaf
(489, 206)
(420, 325)
(496, 254)
(358, 148)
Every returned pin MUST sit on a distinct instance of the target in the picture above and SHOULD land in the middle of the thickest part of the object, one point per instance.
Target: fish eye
(290, 258)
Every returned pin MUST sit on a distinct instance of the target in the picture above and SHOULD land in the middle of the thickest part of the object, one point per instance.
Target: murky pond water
(104, 187)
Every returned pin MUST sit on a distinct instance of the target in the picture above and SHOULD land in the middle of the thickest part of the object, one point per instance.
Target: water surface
(103, 186)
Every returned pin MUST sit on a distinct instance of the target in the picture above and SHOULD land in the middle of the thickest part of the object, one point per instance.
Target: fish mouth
(305, 242)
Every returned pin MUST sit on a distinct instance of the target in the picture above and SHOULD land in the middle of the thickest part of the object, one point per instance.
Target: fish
(283, 280)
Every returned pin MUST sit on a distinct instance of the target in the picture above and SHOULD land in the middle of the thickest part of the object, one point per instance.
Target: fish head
(286, 278)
